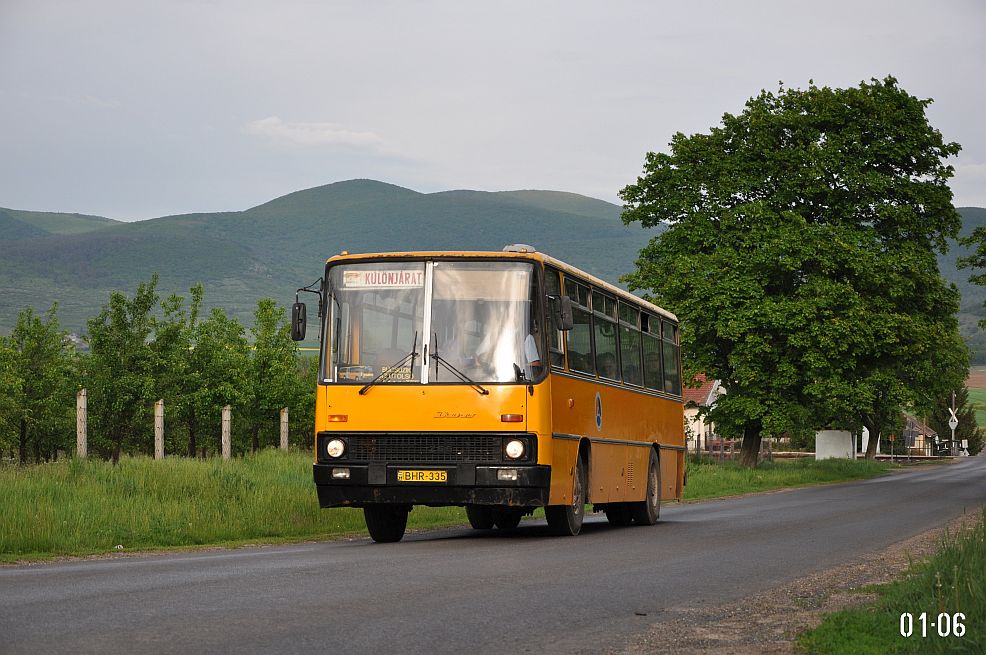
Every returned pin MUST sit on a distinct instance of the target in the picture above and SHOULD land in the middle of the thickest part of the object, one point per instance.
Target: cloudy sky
(139, 109)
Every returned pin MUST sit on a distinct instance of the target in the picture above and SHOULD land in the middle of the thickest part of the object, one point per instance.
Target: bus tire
(480, 516)
(507, 519)
(619, 514)
(566, 520)
(386, 523)
(647, 511)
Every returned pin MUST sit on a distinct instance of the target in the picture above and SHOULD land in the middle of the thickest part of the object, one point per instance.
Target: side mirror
(299, 321)
(561, 312)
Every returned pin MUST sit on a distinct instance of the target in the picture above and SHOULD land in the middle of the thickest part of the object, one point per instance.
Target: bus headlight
(515, 449)
(335, 448)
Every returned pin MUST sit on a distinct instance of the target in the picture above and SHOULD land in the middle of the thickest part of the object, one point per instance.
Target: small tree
(271, 382)
(120, 371)
(11, 384)
(45, 365)
(966, 429)
(176, 379)
(219, 366)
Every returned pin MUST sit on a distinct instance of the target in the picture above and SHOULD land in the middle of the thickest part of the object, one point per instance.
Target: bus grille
(424, 447)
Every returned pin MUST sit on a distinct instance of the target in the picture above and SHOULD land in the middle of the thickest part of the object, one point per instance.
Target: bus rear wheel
(480, 517)
(648, 510)
(566, 520)
(386, 523)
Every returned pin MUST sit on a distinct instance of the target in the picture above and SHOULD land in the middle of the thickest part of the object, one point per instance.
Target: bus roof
(499, 254)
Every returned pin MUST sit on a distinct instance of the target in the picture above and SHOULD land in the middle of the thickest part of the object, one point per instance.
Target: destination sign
(360, 279)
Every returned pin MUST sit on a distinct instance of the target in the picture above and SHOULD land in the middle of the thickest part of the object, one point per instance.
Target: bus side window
(672, 378)
(556, 338)
(630, 344)
(651, 341)
(579, 338)
(604, 324)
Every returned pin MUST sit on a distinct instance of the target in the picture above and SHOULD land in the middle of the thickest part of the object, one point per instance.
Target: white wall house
(696, 428)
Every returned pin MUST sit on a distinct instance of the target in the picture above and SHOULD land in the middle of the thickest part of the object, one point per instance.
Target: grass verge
(952, 582)
(710, 480)
(85, 507)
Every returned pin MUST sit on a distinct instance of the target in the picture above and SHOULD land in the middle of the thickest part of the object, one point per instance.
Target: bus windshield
(474, 321)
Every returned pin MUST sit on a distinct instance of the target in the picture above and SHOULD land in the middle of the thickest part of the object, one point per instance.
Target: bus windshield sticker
(355, 373)
(360, 279)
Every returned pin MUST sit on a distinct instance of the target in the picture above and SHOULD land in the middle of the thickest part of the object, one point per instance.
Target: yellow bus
(497, 381)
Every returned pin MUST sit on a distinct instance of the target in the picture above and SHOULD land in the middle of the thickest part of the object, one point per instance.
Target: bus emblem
(599, 412)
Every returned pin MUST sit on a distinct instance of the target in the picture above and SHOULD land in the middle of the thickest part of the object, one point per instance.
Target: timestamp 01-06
(942, 625)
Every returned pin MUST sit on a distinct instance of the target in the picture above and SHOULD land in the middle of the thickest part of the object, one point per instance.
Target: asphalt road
(458, 590)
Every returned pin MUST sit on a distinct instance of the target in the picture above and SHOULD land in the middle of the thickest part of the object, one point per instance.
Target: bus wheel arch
(566, 520)
(648, 511)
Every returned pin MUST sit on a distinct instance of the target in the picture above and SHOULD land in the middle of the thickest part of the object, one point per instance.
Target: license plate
(422, 476)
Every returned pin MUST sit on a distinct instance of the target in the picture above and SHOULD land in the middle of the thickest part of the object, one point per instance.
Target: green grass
(83, 507)
(953, 581)
(709, 480)
(977, 400)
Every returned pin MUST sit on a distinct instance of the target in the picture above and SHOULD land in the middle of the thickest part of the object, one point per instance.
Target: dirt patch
(768, 623)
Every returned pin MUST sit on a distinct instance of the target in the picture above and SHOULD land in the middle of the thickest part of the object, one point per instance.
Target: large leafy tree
(272, 381)
(43, 384)
(120, 372)
(799, 252)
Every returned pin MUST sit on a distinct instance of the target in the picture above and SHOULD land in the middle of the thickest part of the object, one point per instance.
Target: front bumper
(466, 484)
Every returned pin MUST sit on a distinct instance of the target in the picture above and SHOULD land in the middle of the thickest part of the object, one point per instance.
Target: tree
(799, 255)
(176, 379)
(966, 429)
(11, 384)
(271, 382)
(219, 366)
(41, 405)
(120, 371)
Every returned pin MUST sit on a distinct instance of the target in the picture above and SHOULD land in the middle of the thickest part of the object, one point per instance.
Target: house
(697, 432)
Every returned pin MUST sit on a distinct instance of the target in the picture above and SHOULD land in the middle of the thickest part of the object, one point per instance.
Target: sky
(134, 110)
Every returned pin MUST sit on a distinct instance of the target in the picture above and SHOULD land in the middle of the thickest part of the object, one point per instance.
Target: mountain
(276, 247)
(280, 245)
(973, 296)
(16, 224)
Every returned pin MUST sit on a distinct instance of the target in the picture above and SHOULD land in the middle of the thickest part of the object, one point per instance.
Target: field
(976, 384)
(86, 507)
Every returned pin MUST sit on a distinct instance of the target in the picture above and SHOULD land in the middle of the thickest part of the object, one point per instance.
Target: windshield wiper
(462, 376)
(410, 356)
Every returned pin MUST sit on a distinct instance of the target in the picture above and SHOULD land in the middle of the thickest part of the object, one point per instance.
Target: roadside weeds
(770, 622)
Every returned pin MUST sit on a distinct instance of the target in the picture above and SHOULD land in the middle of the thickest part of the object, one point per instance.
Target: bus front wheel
(480, 516)
(648, 511)
(566, 520)
(386, 523)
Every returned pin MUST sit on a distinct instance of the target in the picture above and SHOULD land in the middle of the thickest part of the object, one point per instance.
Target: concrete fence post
(159, 429)
(227, 422)
(81, 424)
(284, 428)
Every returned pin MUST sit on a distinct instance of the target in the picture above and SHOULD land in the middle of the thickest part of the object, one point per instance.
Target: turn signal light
(338, 418)
(512, 418)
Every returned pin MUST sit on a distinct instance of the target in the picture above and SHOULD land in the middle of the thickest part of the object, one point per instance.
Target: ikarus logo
(599, 412)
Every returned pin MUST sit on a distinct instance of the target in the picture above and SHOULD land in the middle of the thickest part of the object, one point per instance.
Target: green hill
(18, 224)
(272, 249)
(280, 245)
